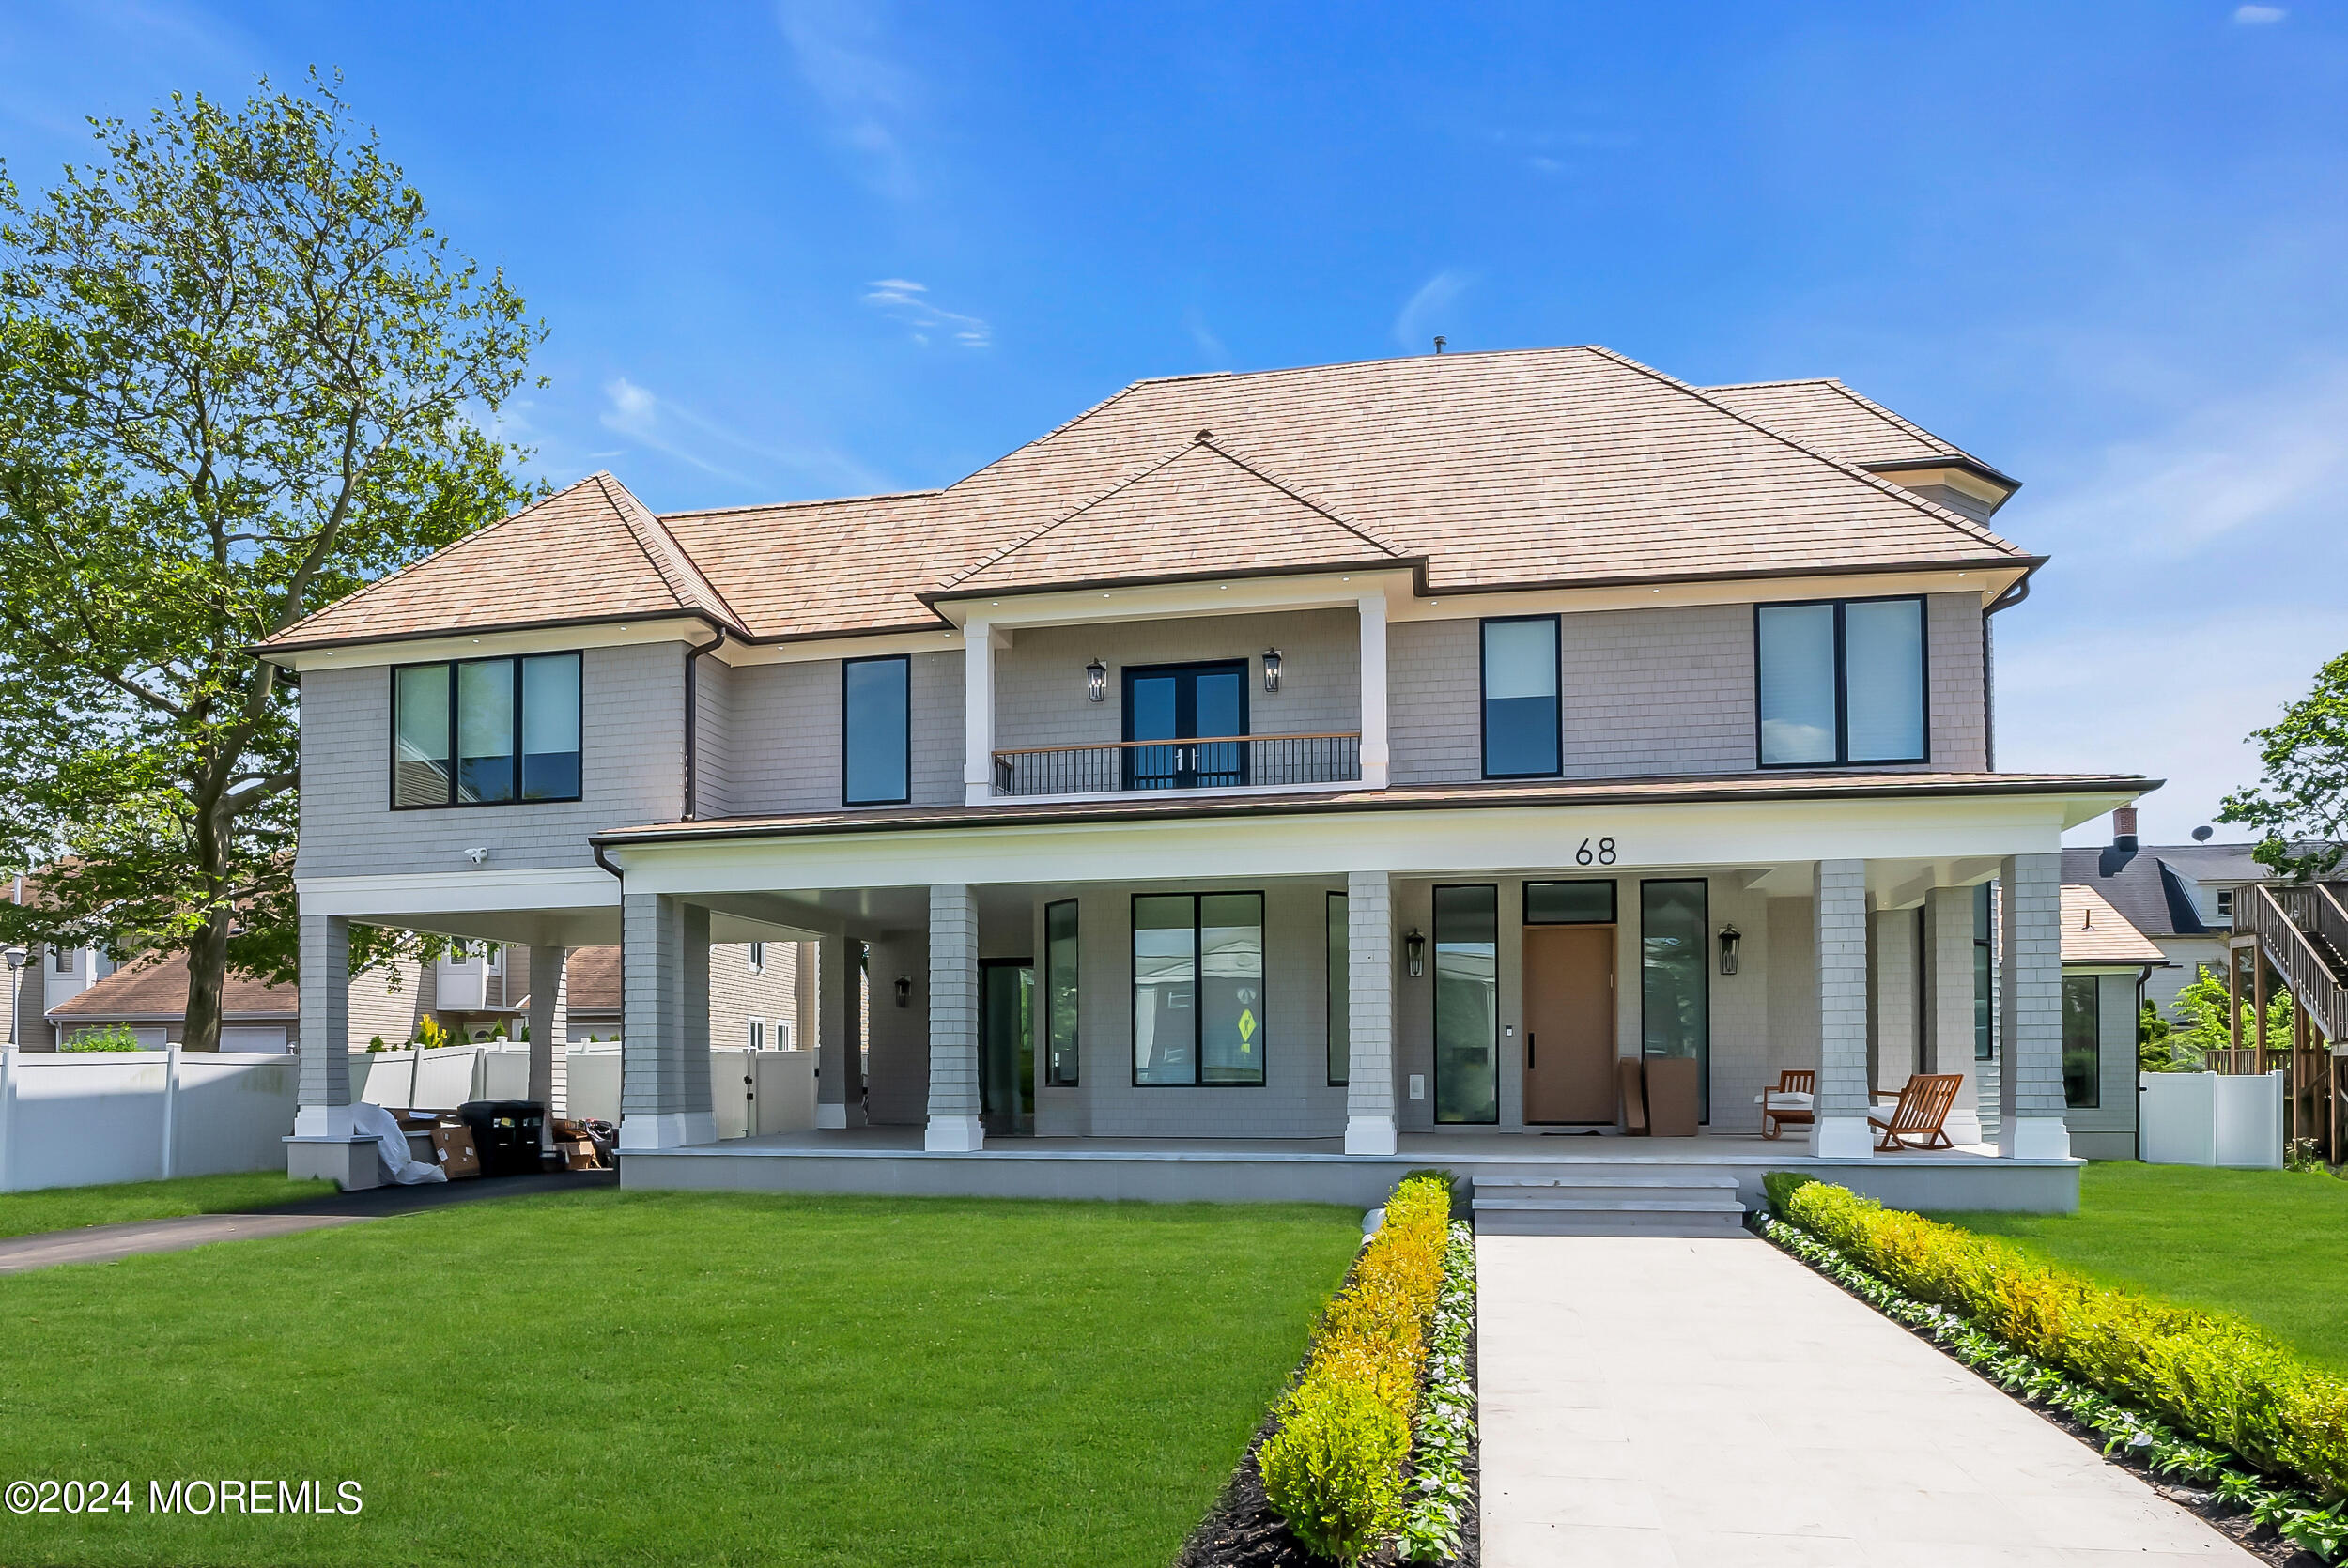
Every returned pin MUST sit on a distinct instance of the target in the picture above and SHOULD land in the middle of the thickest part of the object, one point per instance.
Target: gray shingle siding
(784, 748)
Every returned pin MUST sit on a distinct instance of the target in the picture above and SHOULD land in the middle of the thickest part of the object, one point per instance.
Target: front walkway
(1652, 1403)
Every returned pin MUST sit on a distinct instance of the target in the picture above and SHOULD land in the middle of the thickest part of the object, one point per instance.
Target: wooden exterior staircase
(2295, 934)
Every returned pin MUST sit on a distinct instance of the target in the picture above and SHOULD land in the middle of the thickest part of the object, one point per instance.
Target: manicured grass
(2271, 1246)
(64, 1208)
(710, 1378)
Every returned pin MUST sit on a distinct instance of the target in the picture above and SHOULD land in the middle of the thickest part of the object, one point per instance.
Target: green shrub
(2216, 1377)
(1782, 1185)
(1334, 1469)
(114, 1037)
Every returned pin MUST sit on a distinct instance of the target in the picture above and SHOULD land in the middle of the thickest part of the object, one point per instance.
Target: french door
(1197, 710)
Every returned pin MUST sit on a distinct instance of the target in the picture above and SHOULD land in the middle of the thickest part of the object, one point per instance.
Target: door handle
(1529, 1054)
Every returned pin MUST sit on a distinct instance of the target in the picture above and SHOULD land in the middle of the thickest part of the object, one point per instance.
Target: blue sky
(821, 248)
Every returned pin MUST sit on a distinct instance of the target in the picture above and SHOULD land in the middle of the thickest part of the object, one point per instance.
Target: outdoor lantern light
(905, 990)
(1271, 669)
(1096, 680)
(1415, 952)
(1729, 939)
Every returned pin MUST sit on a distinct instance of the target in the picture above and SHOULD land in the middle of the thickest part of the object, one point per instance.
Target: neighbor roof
(2094, 932)
(2146, 890)
(1556, 466)
(156, 989)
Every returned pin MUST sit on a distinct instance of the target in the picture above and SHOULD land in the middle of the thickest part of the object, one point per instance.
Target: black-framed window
(1062, 993)
(1198, 991)
(486, 732)
(1569, 904)
(1467, 1003)
(2082, 1041)
(1185, 706)
(1522, 721)
(1985, 977)
(1841, 681)
(876, 731)
(1340, 972)
(1676, 976)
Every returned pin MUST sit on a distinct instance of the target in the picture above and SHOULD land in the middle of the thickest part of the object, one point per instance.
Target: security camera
(477, 855)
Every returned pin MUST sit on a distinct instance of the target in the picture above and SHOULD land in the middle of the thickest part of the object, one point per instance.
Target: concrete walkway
(105, 1243)
(1651, 1403)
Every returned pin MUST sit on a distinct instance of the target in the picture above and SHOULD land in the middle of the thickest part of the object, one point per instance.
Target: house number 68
(1603, 856)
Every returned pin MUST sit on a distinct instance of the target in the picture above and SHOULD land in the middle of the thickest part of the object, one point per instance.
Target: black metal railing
(1205, 762)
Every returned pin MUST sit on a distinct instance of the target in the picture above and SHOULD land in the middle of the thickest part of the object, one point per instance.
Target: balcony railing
(1208, 762)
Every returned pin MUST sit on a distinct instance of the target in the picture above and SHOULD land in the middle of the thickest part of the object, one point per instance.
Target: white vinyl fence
(78, 1118)
(778, 1085)
(2213, 1118)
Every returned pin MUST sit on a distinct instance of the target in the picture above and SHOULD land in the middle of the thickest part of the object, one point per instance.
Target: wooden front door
(1569, 1023)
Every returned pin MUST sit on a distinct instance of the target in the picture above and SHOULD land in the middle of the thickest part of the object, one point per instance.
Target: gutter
(692, 722)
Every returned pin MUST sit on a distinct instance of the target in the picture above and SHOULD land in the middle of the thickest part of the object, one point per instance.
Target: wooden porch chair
(1922, 1106)
(1777, 1116)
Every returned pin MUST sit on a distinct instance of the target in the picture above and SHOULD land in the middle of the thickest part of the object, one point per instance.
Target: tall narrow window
(876, 731)
(757, 1040)
(1675, 979)
(2082, 1041)
(420, 770)
(550, 726)
(1521, 717)
(1060, 994)
(1340, 993)
(1984, 1042)
(758, 958)
(1467, 1003)
(1841, 683)
(1199, 998)
(486, 732)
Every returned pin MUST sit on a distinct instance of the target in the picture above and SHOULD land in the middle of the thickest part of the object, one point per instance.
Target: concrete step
(1622, 1182)
(1563, 1223)
(1611, 1202)
(1596, 1203)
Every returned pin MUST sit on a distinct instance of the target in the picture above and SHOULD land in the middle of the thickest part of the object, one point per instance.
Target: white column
(549, 1061)
(1370, 1010)
(664, 1034)
(979, 642)
(1841, 1131)
(1949, 957)
(2029, 1086)
(324, 1107)
(953, 1125)
(839, 1064)
(1376, 758)
(805, 1019)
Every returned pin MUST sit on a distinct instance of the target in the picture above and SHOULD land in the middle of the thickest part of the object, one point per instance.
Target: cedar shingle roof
(1827, 415)
(1535, 466)
(2094, 932)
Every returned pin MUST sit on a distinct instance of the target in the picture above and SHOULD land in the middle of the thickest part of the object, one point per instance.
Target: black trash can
(509, 1134)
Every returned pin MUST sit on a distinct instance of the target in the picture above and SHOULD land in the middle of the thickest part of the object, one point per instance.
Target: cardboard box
(580, 1155)
(452, 1142)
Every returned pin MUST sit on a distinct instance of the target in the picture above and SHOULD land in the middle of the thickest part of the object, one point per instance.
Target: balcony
(1207, 762)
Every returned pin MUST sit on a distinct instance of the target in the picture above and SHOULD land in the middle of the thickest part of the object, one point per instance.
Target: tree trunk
(207, 971)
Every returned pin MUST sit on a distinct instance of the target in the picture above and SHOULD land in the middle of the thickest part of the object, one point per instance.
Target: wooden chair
(1922, 1106)
(1776, 1118)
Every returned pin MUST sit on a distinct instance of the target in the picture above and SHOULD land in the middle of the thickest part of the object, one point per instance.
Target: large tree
(240, 375)
(2302, 799)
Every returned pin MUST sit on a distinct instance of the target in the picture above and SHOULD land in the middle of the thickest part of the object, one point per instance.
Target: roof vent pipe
(2124, 828)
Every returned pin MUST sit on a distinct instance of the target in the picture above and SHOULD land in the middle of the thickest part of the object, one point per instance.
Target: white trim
(1844, 1138)
(940, 639)
(1371, 1135)
(979, 642)
(325, 1121)
(1376, 758)
(2033, 1138)
(1143, 797)
(954, 1135)
(1987, 582)
(450, 892)
(1963, 480)
(667, 1130)
(1181, 600)
(462, 645)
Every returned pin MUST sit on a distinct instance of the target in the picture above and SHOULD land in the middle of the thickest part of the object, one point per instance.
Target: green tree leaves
(2302, 800)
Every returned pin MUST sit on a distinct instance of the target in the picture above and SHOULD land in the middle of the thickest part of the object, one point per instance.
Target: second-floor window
(2225, 904)
(758, 958)
(875, 730)
(1521, 722)
(1841, 681)
(486, 732)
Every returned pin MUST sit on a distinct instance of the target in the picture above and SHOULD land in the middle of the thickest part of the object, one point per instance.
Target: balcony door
(1197, 709)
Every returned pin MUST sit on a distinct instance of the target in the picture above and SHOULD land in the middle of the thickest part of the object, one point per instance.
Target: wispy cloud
(1195, 323)
(664, 425)
(1430, 308)
(2258, 16)
(904, 301)
(842, 50)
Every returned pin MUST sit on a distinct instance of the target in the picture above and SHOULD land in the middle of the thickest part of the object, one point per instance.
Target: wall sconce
(1271, 669)
(1096, 680)
(1730, 938)
(1415, 952)
(905, 990)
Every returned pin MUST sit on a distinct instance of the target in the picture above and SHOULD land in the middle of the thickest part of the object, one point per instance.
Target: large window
(1060, 994)
(1675, 979)
(486, 732)
(1340, 993)
(2082, 1040)
(1467, 1003)
(1985, 978)
(1841, 683)
(1198, 1001)
(875, 730)
(1521, 714)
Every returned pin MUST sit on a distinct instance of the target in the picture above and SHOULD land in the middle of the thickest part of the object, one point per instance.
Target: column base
(2033, 1138)
(1371, 1135)
(671, 1130)
(1963, 1126)
(324, 1121)
(830, 1116)
(350, 1163)
(1841, 1138)
(954, 1135)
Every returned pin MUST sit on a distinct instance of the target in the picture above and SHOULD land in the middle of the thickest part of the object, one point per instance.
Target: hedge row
(1334, 1466)
(2215, 1377)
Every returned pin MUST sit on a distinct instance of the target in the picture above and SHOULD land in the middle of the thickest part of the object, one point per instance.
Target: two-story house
(1257, 782)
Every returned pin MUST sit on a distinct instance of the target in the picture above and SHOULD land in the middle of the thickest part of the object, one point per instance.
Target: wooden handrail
(1180, 740)
(2310, 978)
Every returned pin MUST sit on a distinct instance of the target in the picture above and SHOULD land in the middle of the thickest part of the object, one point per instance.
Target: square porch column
(1369, 1007)
(2030, 1083)
(1840, 1130)
(1949, 1020)
(324, 1142)
(839, 1062)
(664, 1029)
(978, 643)
(953, 1124)
(549, 1060)
(1376, 756)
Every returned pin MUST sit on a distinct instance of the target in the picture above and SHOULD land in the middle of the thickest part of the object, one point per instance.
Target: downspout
(2143, 979)
(2015, 592)
(692, 726)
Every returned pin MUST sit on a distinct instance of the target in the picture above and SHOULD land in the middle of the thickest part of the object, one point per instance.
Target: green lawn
(64, 1208)
(617, 1378)
(2271, 1246)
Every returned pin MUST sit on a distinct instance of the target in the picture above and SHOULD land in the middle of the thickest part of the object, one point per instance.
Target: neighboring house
(2106, 966)
(1360, 753)
(2179, 895)
(150, 997)
(753, 994)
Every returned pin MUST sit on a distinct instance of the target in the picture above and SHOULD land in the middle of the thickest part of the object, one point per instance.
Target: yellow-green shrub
(2216, 1377)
